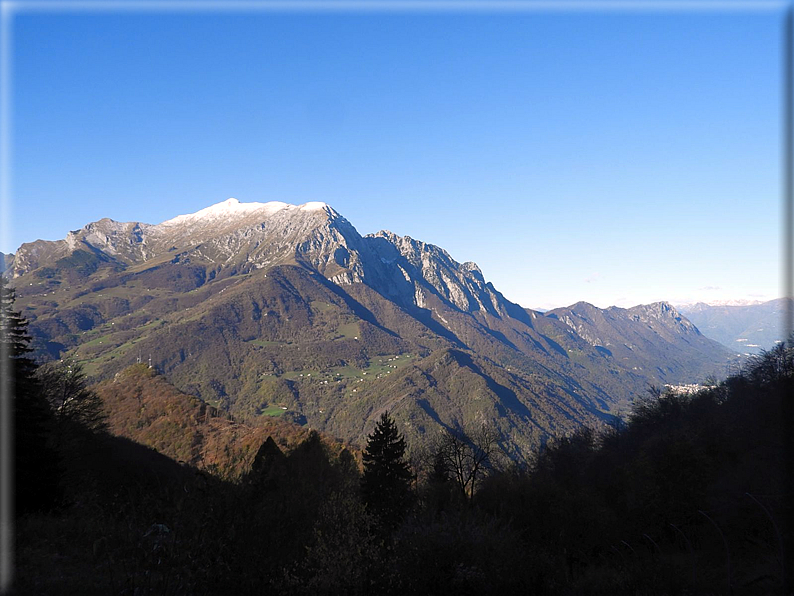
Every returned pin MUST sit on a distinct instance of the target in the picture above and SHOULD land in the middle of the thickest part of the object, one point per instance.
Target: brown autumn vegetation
(141, 405)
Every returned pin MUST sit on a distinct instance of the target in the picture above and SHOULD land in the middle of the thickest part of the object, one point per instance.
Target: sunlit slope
(278, 310)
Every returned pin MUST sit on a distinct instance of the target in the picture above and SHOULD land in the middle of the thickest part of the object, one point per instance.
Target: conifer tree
(36, 469)
(14, 337)
(386, 483)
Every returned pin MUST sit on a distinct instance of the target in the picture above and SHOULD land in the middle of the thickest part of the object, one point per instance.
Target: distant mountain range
(649, 336)
(746, 328)
(270, 309)
(5, 262)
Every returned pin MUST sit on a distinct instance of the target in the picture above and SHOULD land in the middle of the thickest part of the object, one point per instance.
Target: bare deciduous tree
(466, 454)
(66, 389)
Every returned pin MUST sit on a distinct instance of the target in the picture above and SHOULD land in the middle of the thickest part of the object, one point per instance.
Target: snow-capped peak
(233, 209)
(314, 206)
(733, 302)
(736, 302)
(230, 208)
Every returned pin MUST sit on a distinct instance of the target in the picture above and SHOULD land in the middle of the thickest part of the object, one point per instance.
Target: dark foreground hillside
(690, 497)
(687, 498)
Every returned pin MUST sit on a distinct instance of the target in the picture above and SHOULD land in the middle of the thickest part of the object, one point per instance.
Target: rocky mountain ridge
(246, 236)
(269, 309)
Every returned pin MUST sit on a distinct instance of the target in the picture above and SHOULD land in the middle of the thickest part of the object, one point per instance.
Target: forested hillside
(687, 497)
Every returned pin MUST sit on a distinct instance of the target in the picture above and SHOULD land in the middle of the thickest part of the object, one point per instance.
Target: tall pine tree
(36, 469)
(386, 483)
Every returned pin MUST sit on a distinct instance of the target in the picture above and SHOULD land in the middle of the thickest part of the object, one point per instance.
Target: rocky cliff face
(414, 269)
(250, 236)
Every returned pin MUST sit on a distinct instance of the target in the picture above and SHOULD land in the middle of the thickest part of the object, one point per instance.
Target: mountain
(646, 338)
(270, 309)
(746, 328)
(6, 261)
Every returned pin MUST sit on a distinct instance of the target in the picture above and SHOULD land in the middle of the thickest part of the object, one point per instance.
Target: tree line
(687, 496)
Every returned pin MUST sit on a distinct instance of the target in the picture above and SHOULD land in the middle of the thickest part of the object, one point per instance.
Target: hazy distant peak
(732, 302)
(657, 308)
(644, 312)
(662, 305)
(748, 325)
(735, 302)
(6, 262)
(582, 306)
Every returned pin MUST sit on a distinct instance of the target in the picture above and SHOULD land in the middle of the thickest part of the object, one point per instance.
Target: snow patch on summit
(313, 206)
(230, 208)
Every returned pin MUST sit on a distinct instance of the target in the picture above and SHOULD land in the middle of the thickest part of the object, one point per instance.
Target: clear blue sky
(611, 157)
